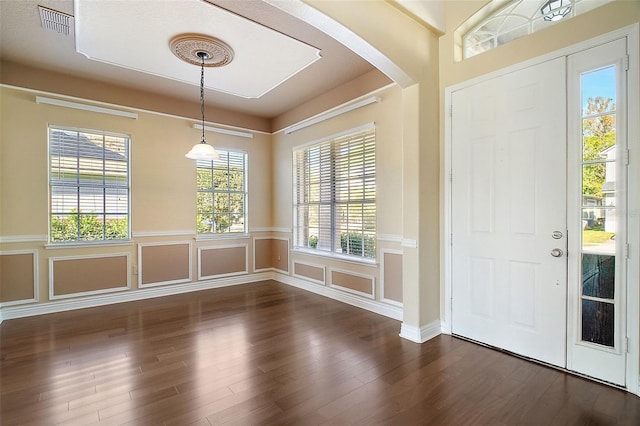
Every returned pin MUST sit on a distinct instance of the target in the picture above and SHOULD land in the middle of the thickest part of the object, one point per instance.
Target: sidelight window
(599, 219)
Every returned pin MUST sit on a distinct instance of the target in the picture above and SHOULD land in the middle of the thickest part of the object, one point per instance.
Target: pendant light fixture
(198, 49)
(202, 150)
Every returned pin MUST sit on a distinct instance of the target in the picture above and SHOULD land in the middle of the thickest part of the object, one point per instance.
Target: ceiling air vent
(54, 20)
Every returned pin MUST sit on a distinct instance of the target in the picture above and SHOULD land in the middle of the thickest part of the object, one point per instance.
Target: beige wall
(388, 127)
(20, 75)
(413, 48)
(162, 179)
(163, 193)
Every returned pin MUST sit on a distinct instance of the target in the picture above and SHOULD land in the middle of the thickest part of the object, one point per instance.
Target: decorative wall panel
(222, 261)
(85, 275)
(18, 277)
(164, 263)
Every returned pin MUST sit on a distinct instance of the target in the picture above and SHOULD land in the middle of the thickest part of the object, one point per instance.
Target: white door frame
(633, 135)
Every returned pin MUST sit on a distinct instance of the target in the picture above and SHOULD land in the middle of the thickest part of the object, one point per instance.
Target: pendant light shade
(203, 151)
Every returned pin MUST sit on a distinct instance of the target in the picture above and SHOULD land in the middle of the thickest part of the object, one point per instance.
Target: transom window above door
(500, 21)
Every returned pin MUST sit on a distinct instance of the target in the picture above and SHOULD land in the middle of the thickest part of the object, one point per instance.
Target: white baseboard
(375, 306)
(421, 334)
(21, 311)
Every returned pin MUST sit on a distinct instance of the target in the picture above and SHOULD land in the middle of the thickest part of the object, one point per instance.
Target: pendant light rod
(202, 55)
(203, 50)
(202, 150)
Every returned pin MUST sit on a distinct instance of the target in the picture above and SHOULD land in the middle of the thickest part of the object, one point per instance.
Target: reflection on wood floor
(267, 353)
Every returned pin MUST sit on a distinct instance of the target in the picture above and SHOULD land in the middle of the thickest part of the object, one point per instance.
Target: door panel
(508, 197)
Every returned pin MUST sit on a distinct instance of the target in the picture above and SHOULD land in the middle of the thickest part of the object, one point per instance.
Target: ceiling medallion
(191, 47)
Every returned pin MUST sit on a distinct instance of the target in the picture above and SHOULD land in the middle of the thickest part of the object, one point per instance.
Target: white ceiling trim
(345, 36)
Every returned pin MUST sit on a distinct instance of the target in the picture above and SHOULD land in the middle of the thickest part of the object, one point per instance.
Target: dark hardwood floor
(267, 353)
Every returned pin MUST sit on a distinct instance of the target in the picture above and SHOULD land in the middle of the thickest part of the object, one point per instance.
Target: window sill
(55, 246)
(227, 236)
(336, 256)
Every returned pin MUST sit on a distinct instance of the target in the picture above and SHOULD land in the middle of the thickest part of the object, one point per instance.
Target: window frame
(78, 186)
(228, 191)
(501, 11)
(333, 248)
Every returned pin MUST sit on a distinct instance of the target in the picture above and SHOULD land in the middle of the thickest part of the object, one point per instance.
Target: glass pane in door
(599, 224)
(598, 322)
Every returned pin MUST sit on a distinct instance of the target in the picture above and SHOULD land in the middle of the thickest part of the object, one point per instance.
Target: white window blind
(335, 195)
(222, 193)
(89, 186)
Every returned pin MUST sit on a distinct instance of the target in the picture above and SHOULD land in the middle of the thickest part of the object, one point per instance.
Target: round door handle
(556, 252)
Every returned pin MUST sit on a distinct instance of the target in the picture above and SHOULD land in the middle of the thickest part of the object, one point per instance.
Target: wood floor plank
(266, 353)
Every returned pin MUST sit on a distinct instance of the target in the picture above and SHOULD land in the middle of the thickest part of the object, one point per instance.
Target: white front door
(508, 220)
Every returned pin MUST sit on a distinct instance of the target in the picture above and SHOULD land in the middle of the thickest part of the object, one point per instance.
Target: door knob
(556, 252)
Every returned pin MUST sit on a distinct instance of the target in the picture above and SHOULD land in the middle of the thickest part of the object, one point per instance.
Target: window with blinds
(222, 194)
(335, 195)
(89, 193)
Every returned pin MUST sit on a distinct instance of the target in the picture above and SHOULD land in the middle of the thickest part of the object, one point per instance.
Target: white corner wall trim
(128, 296)
(333, 112)
(392, 238)
(224, 131)
(266, 229)
(23, 239)
(421, 334)
(11, 312)
(85, 107)
(178, 232)
(374, 306)
(140, 110)
(410, 243)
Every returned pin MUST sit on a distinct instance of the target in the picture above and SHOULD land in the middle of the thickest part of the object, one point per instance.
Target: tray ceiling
(263, 58)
